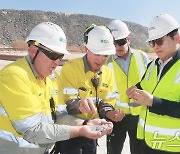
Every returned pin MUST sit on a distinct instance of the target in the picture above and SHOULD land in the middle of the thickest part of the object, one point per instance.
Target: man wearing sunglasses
(28, 98)
(159, 90)
(128, 66)
(88, 87)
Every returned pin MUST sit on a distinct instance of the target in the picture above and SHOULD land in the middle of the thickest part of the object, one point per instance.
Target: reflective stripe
(141, 65)
(177, 80)
(161, 131)
(20, 141)
(150, 70)
(61, 108)
(70, 91)
(47, 118)
(29, 122)
(126, 105)
(94, 99)
(2, 111)
(111, 95)
(74, 91)
(110, 65)
(119, 104)
(133, 104)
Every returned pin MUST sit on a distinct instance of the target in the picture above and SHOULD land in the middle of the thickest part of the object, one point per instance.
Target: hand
(101, 122)
(129, 92)
(87, 106)
(141, 97)
(87, 131)
(115, 115)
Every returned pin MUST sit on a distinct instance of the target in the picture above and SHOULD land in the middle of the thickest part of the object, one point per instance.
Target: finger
(103, 121)
(86, 106)
(119, 115)
(107, 131)
(91, 106)
(110, 125)
(131, 89)
(135, 94)
(82, 106)
(82, 109)
(131, 93)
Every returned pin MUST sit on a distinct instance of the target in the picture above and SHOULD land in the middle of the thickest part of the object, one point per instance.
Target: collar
(28, 59)
(160, 62)
(87, 67)
(130, 53)
(175, 57)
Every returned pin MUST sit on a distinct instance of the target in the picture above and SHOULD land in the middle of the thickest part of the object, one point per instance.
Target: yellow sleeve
(17, 98)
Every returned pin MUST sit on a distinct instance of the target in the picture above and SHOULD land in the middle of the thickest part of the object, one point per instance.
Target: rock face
(16, 25)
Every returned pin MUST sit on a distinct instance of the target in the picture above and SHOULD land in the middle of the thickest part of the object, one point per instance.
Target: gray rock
(16, 25)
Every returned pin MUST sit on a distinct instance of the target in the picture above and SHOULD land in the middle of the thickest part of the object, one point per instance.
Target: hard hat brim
(111, 51)
(122, 36)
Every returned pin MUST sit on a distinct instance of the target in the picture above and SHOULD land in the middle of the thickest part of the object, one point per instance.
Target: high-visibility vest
(161, 132)
(77, 84)
(123, 82)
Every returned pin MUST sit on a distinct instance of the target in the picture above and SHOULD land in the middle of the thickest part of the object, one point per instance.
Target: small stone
(99, 128)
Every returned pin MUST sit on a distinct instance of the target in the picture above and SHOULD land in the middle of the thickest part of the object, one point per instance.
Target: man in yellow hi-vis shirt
(159, 90)
(28, 98)
(88, 87)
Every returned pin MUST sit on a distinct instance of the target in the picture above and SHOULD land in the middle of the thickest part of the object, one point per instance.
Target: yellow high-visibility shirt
(22, 95)
(74, 83)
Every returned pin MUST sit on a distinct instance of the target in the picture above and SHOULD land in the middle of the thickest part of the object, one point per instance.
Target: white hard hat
(100, 41)
(49, 35)
(161, 25)
(119, 29)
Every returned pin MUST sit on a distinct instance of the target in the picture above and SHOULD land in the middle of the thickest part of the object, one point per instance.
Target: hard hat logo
(104, 41)
(114, 30)
(62, 40)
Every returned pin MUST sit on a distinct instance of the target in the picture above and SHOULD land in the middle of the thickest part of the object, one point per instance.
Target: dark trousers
(79, 145)
(115, 140)
(148, 150)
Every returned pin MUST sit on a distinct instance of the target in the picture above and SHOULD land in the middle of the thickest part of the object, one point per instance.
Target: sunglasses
(157, 41)
(53, 110)
(120, 42)
(51, 55)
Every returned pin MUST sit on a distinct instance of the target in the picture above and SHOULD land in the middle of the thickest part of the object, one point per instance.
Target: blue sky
(138, 11)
